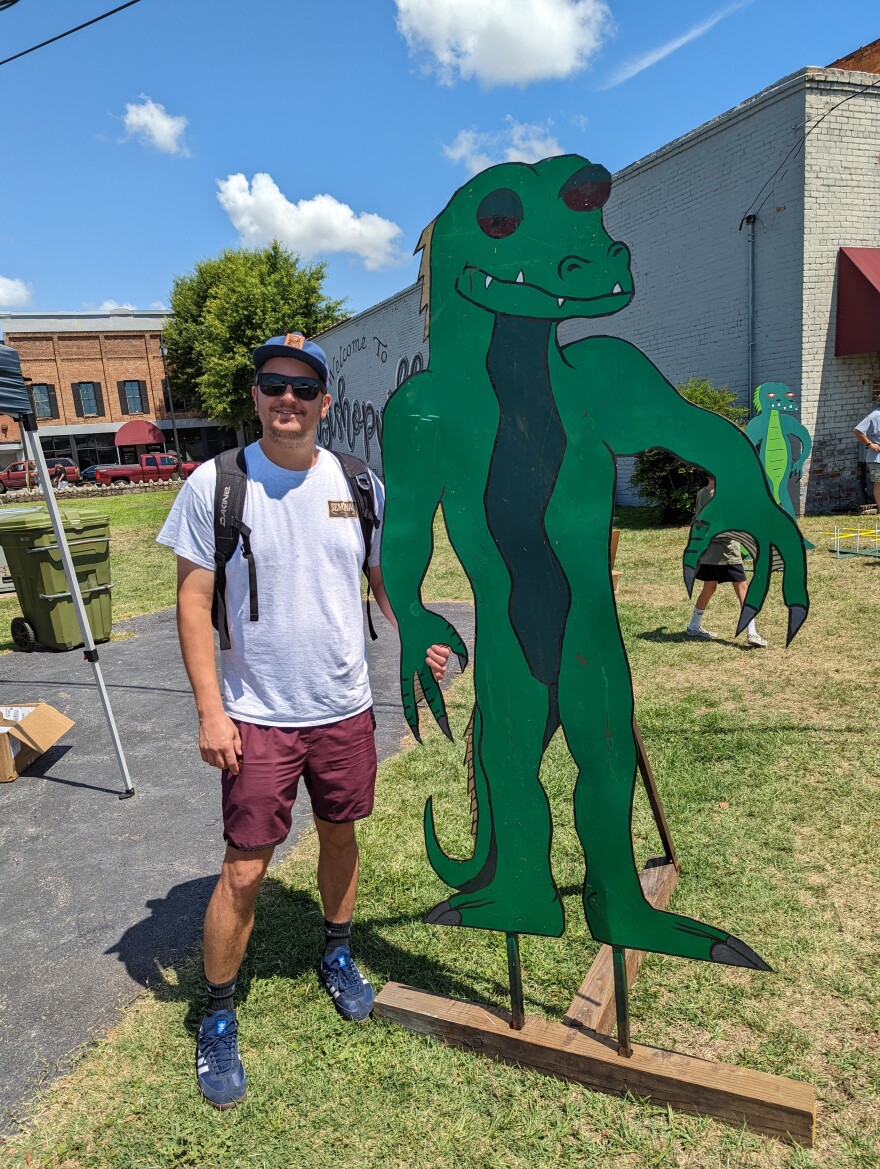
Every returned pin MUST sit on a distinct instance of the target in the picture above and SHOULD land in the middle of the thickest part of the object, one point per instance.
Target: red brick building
(89, 374)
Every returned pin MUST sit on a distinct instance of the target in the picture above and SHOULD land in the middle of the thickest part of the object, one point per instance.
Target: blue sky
(133, 149)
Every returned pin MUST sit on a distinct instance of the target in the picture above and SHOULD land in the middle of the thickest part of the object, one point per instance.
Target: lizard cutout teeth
(519, 279)
(616, 288)
(560, 300)
(488, 281)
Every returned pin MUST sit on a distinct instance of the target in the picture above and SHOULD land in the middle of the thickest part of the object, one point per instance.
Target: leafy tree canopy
(666, 482)
(225, 308)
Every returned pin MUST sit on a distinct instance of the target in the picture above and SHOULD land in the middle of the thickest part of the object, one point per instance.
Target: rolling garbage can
(34, 559)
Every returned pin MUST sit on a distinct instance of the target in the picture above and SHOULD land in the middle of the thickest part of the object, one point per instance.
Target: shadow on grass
(665, 635)
(287, 942)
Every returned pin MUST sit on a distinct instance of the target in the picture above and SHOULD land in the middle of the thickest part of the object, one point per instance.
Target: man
(296, 695)
(868, 434)
(721, 563)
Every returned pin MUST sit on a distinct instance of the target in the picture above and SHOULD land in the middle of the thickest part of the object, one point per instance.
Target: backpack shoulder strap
(360, 483)
(229, 527)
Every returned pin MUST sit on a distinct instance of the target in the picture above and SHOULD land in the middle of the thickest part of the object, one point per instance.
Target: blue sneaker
(351, 993)
(218, 1067)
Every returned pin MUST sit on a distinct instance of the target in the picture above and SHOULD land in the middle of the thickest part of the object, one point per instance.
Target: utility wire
(69, 32)
(797, 147)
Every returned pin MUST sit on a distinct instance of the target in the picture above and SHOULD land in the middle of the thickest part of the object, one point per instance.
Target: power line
(69, 32)
(798, 146)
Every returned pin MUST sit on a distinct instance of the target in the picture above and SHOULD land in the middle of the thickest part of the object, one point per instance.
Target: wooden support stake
(766, 1104)
(656, 803)
(593, 1007)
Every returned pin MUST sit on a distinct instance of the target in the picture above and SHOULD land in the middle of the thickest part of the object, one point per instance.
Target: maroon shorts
(337, 762)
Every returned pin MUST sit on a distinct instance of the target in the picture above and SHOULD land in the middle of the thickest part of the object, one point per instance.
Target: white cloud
(154, 126)
(625, 72)
(113, 306)
(159, 305)
(14, 293)
(504, 42)
(312, 227)
(519, 142)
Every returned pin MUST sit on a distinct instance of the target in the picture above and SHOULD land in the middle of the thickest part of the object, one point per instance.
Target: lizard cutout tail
(459, 872)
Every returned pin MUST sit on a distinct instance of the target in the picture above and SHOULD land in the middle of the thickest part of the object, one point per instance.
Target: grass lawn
(767, 762)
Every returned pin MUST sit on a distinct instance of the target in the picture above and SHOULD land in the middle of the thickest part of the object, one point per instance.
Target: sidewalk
(97, 893)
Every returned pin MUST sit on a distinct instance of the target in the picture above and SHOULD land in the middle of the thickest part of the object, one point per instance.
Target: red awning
(139, 433)
(858, 302)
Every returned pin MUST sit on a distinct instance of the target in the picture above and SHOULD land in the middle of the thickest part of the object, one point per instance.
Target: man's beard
(290, 440)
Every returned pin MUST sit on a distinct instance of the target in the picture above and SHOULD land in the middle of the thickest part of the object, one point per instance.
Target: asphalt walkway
(96, 893)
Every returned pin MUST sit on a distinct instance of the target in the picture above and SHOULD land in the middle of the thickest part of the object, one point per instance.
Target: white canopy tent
(16, 402)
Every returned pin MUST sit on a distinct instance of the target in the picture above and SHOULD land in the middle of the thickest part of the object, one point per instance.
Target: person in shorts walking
(721, 563)
(296, 696)
(868, 434)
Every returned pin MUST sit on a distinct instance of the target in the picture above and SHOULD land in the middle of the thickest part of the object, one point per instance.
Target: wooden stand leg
(593, 1008)
(767, 1104)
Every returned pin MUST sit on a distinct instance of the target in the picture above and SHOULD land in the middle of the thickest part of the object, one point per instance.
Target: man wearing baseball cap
(296, 696)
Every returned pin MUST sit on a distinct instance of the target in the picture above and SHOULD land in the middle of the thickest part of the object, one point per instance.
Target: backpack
(229, 527)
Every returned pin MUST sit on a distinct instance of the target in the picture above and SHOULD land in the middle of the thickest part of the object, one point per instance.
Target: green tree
(225, 308)
(663, 480)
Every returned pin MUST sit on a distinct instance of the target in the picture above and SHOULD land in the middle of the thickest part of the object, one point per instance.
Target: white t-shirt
(303, 663)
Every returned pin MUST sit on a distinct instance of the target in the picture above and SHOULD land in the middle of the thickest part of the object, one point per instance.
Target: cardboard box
(25, 733)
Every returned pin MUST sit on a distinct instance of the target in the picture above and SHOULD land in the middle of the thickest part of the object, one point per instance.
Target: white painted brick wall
(369, 357)
(842, 195)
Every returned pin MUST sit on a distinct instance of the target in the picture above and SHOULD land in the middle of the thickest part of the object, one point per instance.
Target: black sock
(336, 933)
(220, 996)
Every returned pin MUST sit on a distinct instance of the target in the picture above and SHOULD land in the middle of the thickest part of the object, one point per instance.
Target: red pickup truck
(15, 476)
(149, 469)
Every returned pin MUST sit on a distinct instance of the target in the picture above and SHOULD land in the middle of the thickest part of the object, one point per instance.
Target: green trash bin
(34, 559)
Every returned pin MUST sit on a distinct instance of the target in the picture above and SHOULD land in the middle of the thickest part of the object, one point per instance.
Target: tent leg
(34, 450)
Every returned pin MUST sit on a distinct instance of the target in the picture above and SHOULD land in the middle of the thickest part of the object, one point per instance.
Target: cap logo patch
(295, 340)
(342, 509)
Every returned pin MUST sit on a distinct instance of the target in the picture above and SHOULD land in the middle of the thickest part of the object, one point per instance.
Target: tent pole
(31, 440)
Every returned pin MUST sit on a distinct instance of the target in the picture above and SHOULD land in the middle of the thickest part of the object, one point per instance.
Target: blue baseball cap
(296, 346)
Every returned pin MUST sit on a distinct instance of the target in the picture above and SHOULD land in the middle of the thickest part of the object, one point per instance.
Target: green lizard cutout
(515, 438)
(774, 425)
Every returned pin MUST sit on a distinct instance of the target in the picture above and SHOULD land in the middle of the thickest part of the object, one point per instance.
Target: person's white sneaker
(756, 641)
(702, 634)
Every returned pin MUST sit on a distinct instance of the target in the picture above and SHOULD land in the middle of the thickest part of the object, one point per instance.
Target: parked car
(15, 477)
(87, 474)
(148, 469)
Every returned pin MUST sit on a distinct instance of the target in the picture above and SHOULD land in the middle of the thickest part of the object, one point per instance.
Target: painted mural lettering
(346, 421)
(381, 349)
(345, 351)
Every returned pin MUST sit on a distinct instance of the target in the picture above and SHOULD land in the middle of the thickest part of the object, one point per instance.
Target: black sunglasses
(306, 389)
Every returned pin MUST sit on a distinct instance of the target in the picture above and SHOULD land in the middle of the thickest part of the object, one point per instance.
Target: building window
(45, 401)
(88, 401)
(133, 397)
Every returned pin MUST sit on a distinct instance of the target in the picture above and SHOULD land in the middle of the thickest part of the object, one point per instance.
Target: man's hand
(220, 742)
(436, 659)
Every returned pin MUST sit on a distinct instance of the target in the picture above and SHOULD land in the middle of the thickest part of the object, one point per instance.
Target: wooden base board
(766, 1104)
(593, 1007)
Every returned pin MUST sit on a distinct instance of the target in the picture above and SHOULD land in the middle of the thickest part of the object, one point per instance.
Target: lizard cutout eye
(587, 189)
(500, 213)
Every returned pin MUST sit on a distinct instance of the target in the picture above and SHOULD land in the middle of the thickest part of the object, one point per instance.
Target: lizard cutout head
(528, 241)
(775, 396)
